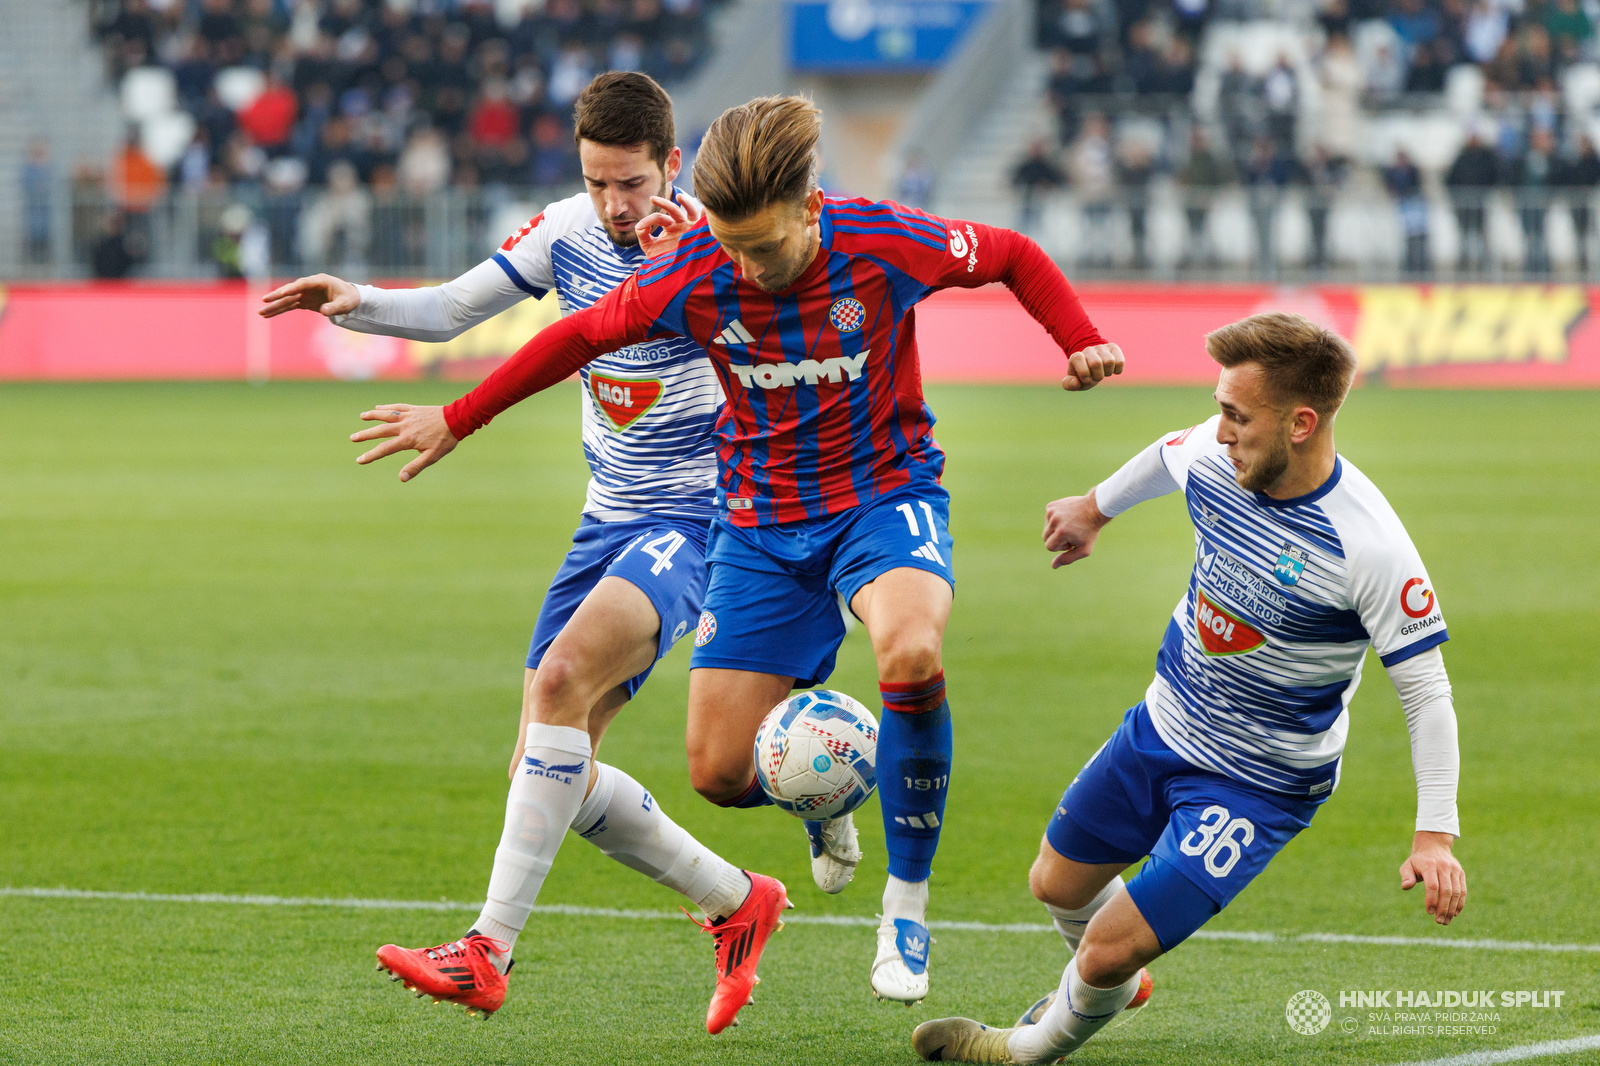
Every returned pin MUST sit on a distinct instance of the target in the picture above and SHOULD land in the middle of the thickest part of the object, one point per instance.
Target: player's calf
(914, 755)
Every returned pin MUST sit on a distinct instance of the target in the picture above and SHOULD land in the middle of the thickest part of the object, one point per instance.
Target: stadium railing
(1162, 231)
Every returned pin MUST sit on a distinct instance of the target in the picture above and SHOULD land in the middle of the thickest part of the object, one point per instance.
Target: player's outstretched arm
(980, 254)
(431, 313)
(322, 293)
(1071, 527)
(405, 427)
(1424, 689)
(617, 319)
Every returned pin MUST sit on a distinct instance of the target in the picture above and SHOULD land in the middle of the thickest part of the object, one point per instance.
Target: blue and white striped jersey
(650, 409)
(1262, 655)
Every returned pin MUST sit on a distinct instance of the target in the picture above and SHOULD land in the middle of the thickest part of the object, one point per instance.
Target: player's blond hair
(1304, 363)
(759, 153)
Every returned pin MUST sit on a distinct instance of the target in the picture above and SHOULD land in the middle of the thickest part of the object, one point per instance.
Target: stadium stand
(1267, 138)
(1411, 137)
(373, 135)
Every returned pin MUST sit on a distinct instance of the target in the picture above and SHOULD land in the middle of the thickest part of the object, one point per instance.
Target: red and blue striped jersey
(824, 393)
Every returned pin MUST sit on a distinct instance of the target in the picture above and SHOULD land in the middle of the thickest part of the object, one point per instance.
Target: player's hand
(1071, 526)
(1432, 866)
(673, 220)
(322, 293)
(410, 429)
(1090, 367)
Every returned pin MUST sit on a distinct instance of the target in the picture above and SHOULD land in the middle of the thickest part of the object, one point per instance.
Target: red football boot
(1147, 985)
(740, 939)
(459, 972)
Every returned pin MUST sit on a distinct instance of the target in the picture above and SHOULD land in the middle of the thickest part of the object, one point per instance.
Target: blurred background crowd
(1156, 137)
(315, 131)
(1449, 115)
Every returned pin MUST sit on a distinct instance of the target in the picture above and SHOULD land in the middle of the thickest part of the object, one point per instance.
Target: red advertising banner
(1494, 336)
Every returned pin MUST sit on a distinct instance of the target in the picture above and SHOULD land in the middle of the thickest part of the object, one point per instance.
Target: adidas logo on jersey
(930, 552)
(735, 334)
(784, 375)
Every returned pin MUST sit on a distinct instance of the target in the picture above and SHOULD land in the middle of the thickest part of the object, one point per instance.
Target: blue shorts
(1207, 835)
(772, 605)
(663, 557)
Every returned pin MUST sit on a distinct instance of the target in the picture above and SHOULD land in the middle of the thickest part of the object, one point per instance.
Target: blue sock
(754, 796)
(914, 747)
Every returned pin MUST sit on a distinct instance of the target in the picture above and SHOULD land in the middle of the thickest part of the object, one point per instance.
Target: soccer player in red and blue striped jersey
(829, 473)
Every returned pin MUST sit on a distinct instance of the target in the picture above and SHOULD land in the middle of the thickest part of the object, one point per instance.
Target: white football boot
(835, 853)
(900, 972)
(961, 1040)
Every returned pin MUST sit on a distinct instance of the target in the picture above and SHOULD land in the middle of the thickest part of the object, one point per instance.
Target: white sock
(1071, 924)
(623, 820)
(1079, 1012)
(545, 796)
(905, 899)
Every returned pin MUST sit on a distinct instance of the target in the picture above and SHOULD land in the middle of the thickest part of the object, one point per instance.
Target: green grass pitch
(232, 661)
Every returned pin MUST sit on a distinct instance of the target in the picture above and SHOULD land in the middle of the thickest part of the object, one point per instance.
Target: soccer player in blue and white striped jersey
(633, 583)
(1300, 566)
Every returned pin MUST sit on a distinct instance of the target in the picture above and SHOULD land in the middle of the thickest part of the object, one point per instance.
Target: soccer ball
(817, 755)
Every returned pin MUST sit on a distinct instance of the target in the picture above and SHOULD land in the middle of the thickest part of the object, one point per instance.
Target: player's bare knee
(1045, 885)
(558, 693)
(1051, 884)
(909, 657)
(718, 783)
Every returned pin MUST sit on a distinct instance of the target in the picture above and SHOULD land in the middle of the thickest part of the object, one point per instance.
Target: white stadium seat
(148, 92)
(238, 87)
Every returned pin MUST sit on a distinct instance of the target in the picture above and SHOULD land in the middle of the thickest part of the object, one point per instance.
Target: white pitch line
(571, 911)
(1515, 1054)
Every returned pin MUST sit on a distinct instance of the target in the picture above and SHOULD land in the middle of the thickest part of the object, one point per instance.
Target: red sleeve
(554, 354)
(1015, 259)
(971, 254)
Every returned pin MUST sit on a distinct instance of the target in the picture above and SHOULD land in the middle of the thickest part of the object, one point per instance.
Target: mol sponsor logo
(1222, 633)
(810, 371)
(622, 400)
(1412, 325)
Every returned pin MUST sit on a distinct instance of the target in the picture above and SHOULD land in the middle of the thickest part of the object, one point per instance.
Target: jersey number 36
(1220, 838)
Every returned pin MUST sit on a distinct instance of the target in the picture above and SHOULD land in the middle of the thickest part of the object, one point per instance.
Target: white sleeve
(1424, 690)
(438, 312)
(1159, 469)
(522, 267)
(1144, 477)
(1391, 593)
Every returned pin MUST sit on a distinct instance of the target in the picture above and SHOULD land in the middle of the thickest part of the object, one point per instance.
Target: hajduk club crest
(847, 315)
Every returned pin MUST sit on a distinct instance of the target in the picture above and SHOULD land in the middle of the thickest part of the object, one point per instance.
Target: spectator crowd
(1134, 107)
(320, 112)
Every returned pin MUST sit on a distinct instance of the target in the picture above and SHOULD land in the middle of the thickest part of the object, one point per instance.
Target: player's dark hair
(760, 153)
(1303, 362)
(624, 108)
